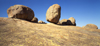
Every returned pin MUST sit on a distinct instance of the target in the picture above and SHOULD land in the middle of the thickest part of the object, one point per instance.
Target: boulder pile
(70, 21)
(53, 15)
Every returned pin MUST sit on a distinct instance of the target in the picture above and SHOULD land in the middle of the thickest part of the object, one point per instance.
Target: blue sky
(84, 11)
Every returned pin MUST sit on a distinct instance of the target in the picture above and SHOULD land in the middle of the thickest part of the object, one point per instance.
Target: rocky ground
(16, 32)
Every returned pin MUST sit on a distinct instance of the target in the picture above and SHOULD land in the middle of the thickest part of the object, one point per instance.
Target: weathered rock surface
(53, 13)
(62, 22)
(16, 32)
(71, 21)
(35, 20)
(21, 12)
(93, 26)
(41, 22)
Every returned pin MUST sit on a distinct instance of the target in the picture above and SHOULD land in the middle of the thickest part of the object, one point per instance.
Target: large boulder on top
(53, 13)
(62, 22)
(21, 12)
(93, 26)
(71, 21)
(35, 20)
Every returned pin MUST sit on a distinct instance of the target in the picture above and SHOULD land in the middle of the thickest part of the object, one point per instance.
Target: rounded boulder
(53, 13)
(93, 26)
(35, 20)
(71, 21)
(20, 12)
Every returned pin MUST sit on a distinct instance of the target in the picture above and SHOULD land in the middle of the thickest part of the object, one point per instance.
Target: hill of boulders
(52, 15)
(22, 28)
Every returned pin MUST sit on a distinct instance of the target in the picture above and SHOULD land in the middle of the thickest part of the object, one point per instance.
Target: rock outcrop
(71, 21)
(62, 22)
(35, 20)
(21, 12)
(93, 26)
(53, 13)
(25, 33)
(41, 22)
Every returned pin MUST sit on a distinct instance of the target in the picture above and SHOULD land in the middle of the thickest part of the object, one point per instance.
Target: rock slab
(25, 33)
